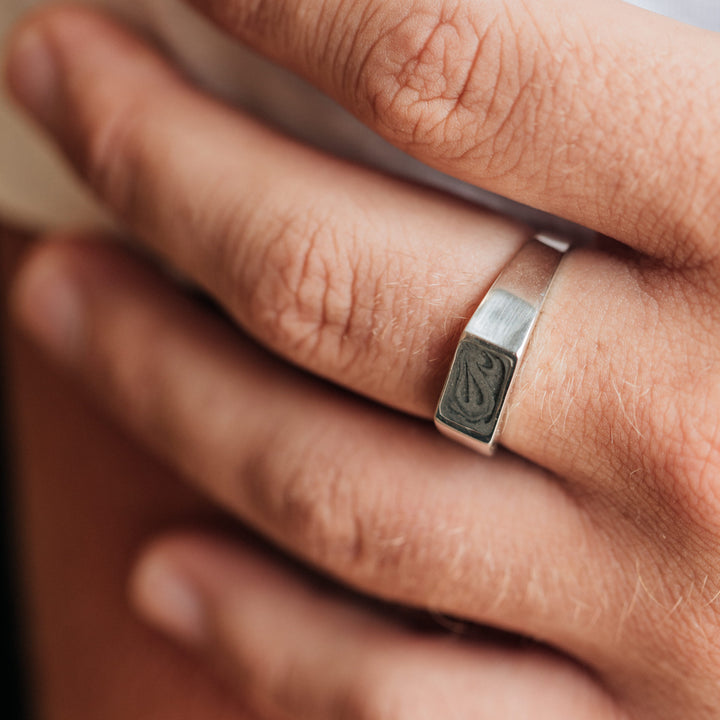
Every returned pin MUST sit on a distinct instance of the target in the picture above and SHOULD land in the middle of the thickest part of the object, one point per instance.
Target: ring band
(470, 409)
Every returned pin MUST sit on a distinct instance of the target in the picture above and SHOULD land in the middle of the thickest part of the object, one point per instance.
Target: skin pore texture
(595, 534)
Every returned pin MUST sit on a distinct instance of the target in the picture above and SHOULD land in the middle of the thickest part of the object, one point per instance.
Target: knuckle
(451, 78)
(291, 295)
(314, 496)
(313, 295)
(313, 501)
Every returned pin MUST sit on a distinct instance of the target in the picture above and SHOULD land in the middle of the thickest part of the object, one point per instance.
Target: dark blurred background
(13, 705)
(14, 699)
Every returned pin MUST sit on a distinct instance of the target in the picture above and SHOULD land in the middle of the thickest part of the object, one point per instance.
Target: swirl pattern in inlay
(476, 387)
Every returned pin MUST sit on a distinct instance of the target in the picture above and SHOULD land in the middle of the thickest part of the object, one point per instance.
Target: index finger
(597, 112)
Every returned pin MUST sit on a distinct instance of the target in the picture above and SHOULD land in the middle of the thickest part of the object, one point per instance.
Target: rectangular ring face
(476, 389)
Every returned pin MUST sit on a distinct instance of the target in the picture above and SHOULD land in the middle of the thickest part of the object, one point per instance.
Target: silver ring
(470, 409)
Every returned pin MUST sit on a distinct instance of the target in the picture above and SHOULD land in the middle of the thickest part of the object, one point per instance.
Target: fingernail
(32, 73)
(169, 600)
(47, 304)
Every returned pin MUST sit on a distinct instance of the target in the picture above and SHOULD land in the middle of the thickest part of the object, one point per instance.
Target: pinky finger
(296, 650)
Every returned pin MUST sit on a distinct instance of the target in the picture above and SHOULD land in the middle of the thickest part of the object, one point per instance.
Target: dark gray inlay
(476, 388)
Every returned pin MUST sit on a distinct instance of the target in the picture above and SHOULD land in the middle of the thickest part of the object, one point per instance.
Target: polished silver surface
(470, 409)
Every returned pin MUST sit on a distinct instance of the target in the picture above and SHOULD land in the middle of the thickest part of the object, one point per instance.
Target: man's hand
(605, 547)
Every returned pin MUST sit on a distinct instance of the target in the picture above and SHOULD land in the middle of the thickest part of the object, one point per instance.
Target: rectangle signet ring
(470, 409)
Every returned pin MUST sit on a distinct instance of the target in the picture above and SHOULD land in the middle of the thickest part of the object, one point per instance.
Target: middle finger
(559, 104)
